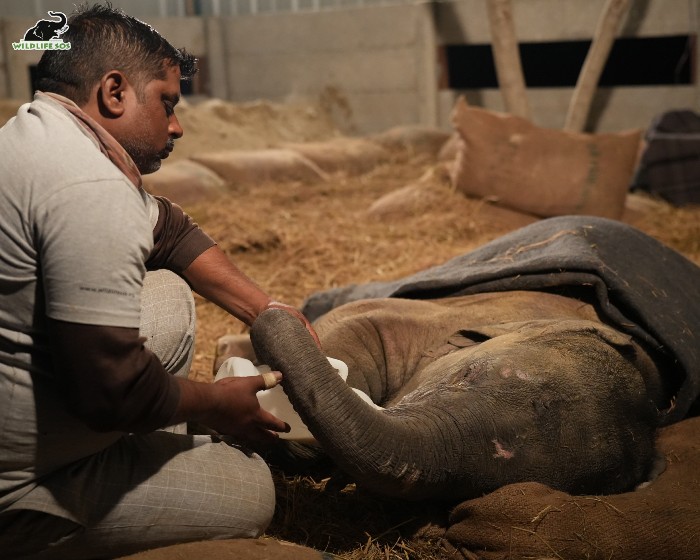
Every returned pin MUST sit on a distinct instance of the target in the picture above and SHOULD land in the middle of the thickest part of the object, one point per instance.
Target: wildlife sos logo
(45, 35)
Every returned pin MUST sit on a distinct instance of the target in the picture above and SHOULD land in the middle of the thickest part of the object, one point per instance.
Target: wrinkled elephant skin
(478, 392)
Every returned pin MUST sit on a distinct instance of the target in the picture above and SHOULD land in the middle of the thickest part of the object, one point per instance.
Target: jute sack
(245, 167)
(541, 171)
(184, 182)
(658, 521)
(231, 549)
(353, 156)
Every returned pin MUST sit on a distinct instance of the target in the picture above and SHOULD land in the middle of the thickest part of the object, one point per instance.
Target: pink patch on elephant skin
(501, 452)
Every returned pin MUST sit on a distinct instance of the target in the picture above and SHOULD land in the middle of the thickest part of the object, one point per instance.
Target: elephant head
(559, 401)
(45, 30)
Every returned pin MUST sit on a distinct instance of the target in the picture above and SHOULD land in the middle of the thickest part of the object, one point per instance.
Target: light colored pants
(144, 491)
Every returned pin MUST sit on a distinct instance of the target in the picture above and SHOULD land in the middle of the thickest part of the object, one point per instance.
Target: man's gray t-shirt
(75, 235)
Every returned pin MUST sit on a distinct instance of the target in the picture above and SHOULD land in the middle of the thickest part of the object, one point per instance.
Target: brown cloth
(106, 142)
(670, 165)
(529, 520)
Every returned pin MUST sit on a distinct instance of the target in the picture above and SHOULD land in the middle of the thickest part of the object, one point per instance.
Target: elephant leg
(658, 520)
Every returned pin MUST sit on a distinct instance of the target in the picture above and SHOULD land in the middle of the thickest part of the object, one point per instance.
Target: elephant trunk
(404, 452)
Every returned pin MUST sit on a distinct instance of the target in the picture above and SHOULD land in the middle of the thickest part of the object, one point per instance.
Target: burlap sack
(659, 521)
(247, 167)
(233, 549)
(184, 182)
(541, 171)
(352, 156)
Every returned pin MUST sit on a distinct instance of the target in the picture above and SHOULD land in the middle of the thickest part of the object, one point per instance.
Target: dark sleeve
(112, 382)
(177, 239)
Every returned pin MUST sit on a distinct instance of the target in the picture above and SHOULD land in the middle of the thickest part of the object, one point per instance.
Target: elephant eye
(477, 370)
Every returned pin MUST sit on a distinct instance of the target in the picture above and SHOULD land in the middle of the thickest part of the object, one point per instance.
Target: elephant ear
(614, 338)
(547, 327)
(658, 390)
(460, 339)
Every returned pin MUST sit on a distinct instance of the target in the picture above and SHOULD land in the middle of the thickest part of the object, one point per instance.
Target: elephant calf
(478, 391)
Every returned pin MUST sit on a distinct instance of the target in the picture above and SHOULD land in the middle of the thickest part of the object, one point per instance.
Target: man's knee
(163, 489)
(168, 320)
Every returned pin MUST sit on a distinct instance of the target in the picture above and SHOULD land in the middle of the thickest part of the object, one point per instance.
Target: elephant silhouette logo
(45, 34)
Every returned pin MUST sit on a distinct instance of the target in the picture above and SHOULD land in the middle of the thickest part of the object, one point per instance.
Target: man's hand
(230, 407)
(238, 411)
(299, 315)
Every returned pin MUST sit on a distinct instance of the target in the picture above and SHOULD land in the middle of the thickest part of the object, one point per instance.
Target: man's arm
(181, 246)
(213, 276)
(112, 382)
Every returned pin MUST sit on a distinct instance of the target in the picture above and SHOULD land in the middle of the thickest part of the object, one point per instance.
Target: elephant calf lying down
(551, 355)
(478, 391)
(524, 380)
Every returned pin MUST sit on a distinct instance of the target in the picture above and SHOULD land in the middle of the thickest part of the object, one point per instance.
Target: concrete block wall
(377, 65)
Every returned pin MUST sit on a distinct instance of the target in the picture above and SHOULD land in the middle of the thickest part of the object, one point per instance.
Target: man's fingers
(270, 422)
(299, 315)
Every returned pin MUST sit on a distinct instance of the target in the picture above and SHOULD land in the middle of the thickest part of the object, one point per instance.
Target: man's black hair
(103, 38)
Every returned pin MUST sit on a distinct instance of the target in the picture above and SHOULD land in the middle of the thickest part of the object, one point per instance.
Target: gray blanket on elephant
(641, 286)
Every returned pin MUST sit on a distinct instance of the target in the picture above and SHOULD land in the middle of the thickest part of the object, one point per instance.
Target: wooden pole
(507, 58)
(606, 30)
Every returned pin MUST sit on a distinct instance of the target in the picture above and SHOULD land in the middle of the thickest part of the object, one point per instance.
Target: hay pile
(214, 125)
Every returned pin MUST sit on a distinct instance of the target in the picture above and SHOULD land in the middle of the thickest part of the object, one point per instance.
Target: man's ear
(111, 94)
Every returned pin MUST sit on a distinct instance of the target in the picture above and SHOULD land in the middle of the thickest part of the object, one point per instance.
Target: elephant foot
(658, 520)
